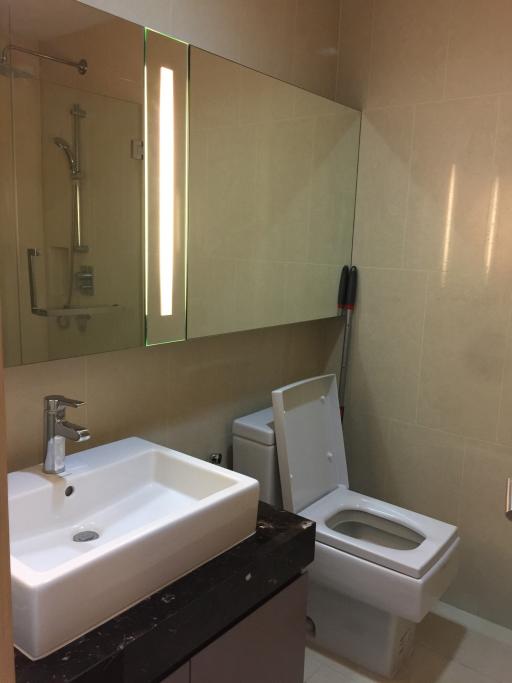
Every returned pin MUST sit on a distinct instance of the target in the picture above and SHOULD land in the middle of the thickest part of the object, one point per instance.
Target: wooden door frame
(6, 647)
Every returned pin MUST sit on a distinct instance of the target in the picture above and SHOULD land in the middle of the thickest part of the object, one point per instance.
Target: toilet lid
(309, 440)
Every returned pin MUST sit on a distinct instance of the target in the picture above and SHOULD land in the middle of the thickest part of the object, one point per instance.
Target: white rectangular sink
(155, 515)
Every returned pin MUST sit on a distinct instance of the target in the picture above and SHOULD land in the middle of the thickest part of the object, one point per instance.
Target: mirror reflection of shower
(73, 155)
(84, 279)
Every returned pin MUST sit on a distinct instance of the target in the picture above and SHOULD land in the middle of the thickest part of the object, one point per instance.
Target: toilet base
(353, 630)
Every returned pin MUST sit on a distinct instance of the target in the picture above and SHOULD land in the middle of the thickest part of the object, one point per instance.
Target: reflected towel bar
(80, 66)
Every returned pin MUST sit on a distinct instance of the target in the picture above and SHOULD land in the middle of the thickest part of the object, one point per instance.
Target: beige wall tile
(294, 40)
(451, 185)
(216, 379)
(480, 52)
(424, 470)
(182, 395)
(382, 189)
(504, 432)
(202, 389)
(156, 14)
(128, 394)
(210, 24)
(315, 48)
(463, 354)
(355, 35)
(307, 348)
(408, 51)
(466, 591)
(25, 388)
(498, 245)
(262, 366)
(452, 62)
(484, 528)
(367, 452)
(268, 41)
(385, 354)
(482, 515)
(335, 346)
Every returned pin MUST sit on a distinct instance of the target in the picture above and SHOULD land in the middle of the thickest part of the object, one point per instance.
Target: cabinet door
(182, 675)
(268, 645)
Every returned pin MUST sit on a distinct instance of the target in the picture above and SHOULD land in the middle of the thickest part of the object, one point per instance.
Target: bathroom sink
(122, 521)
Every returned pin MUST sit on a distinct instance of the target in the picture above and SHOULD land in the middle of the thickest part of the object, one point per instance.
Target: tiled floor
(451, 647)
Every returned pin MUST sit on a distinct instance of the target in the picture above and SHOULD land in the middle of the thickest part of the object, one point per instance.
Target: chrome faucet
(57, 430)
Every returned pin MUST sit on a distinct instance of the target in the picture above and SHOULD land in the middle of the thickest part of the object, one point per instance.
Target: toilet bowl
(378, 568)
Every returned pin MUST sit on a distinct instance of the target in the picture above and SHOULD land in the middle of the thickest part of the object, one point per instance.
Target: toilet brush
(348, 304)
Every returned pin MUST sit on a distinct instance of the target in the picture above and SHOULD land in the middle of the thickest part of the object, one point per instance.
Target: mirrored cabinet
(71, 91)
(154, 192)
(272, 181)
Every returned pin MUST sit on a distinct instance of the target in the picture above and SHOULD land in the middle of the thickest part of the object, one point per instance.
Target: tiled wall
(430, 409)
(182, 395)
(294, 40)
(185, 395)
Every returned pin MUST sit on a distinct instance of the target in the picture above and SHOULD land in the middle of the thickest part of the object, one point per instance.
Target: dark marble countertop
(151, 639)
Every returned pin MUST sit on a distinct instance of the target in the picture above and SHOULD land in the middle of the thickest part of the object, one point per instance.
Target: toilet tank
(255, 453)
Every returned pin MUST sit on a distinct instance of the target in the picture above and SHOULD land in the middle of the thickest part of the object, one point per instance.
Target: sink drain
(83, 536)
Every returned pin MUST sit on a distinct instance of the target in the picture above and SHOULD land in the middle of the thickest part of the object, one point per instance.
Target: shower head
(7, 69)
(66, 148)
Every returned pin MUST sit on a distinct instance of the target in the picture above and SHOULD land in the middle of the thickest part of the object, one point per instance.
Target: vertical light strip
(448, 225)
(166, 189)
(491, 234)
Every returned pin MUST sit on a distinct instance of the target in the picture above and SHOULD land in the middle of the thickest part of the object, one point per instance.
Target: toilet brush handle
(508, 499)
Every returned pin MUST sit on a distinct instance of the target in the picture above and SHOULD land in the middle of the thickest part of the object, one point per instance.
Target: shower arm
(80, 66)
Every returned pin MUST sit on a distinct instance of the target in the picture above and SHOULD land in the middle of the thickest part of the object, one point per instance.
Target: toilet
(378, 568)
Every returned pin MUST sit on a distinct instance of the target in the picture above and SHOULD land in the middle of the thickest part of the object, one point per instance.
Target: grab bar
(32, 253)
(508, 500)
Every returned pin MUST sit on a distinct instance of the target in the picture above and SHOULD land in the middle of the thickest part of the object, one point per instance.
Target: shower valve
(85, 280)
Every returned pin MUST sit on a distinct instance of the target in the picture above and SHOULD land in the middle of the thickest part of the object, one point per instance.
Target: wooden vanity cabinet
(268, 645)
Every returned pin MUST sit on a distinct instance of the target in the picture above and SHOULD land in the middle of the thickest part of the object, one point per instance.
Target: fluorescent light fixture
(166, 189)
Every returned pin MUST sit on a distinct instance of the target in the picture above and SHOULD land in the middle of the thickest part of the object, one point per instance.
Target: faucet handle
(57, 402)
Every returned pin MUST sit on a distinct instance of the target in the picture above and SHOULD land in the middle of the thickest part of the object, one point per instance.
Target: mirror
(272, 182)
(71, 127)
(236, 214)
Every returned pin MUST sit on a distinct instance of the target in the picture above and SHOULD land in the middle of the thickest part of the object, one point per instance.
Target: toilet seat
(415, 562)
(314, 483)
